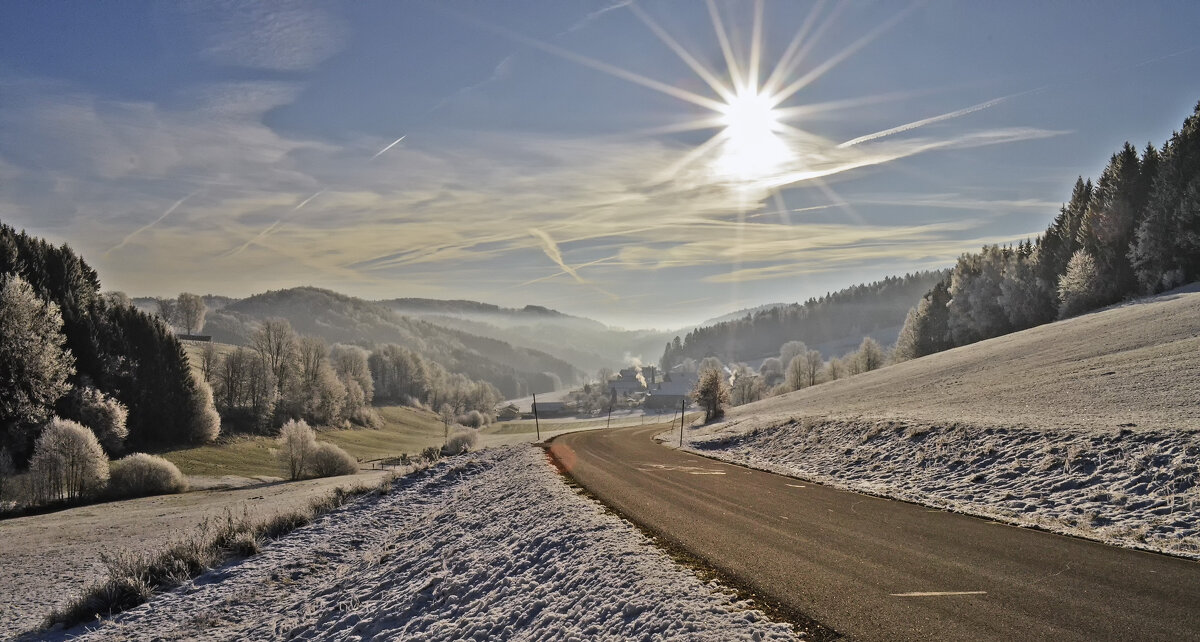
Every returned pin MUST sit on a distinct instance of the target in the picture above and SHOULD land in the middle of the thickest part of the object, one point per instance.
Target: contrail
(394, 143)
(318, 193)
(271, 228)
(925, 121)
(552, 251)
(151, 224)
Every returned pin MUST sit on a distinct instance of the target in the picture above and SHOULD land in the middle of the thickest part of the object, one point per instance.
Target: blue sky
(233, 148)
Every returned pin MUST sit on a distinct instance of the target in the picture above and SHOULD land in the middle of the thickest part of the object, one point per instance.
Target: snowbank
(1135, 489)
(490, 545)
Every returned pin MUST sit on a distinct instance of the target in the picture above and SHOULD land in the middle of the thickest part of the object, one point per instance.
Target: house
(508, 413)
(552, 408)
(675, 388)
(633, 379)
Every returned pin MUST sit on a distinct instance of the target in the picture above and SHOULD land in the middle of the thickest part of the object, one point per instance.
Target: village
(634, 390)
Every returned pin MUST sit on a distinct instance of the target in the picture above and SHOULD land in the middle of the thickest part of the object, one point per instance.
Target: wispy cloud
(282, 35)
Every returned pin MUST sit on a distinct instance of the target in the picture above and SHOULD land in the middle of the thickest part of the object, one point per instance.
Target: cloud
(478, 212)
(280, 35)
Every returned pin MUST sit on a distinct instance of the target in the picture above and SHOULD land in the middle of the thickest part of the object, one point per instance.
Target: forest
(1134, 231)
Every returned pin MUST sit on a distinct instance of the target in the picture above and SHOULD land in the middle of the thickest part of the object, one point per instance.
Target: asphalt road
(877, 569)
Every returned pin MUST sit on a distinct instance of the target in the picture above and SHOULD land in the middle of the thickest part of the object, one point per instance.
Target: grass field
(405, 430)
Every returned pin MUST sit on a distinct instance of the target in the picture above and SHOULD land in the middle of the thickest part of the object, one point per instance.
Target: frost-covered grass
(1140, 490)
(1089, 426)
(490, 545)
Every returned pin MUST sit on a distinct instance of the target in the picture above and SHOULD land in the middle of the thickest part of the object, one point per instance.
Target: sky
(647, 164)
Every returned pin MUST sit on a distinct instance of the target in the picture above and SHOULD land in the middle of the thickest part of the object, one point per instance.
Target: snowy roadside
(1134, 489)
(491, 545)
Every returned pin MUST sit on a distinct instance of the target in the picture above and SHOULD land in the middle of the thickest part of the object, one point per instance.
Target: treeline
(284, 376)
(839, 318)
(403, 376)
(797, 367)
(1136, 230)
(68, 351)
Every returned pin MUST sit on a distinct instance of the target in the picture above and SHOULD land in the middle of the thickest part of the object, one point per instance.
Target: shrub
(139, 475)
(473, 419)
(68, 462)
(327, 460)
(296, 444)
(460, 442)
(431, 454)
(367, 418)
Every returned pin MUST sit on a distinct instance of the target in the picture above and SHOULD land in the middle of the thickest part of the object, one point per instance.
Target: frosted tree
(1080, 289)
(205, 425)
(67, 462)
(34, 364)
(789, 350)
(870, 355)
(712, 393)
(771, 371)
(296, 445)
(104, 415)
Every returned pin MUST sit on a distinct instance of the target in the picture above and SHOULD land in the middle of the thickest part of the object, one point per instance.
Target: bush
(460, 442)
(327, 460)
(431, 454)
(296, 444)
(68, 462)
(367, 418)
(140, 475)
(473, 419)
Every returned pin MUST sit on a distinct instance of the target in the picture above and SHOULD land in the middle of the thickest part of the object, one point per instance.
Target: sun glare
(752, 147)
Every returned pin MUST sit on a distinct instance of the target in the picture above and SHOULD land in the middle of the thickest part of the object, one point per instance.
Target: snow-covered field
(45, 560)
(1089, 427)
(491, 545)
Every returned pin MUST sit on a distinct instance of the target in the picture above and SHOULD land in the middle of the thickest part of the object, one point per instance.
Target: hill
(1087, 426)
(833, 324)
(585, 343)
(338, 318)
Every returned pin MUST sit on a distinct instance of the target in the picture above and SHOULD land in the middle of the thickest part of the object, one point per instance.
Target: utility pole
(611, 401)
(682, 402)
(537, 426)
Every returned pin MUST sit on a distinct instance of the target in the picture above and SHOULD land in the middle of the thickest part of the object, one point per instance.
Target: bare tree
(190, 309)
(168, 311)
(275, 343)
(208, 361)
(812, 367)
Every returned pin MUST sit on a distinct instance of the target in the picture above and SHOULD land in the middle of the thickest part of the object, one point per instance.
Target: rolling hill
(338, 318)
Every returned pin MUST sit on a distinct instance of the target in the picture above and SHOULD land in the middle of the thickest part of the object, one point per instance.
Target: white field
(46, 560)
(491, 545)
(1089, 426)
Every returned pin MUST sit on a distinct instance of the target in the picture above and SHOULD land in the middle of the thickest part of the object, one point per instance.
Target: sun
(752, 146)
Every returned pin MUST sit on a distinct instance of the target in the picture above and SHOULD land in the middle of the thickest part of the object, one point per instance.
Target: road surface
(877, 569)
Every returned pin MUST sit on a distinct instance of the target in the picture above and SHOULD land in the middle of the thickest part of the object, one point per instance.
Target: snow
(1088, 427)
(490, 545)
